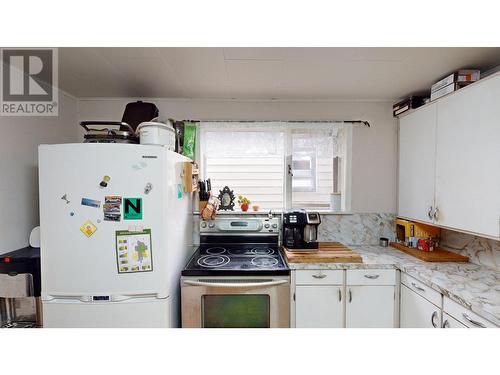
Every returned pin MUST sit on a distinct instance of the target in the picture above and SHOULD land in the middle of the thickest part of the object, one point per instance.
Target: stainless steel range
(238, 277)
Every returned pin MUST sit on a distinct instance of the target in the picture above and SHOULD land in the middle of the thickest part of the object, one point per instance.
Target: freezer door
(132, 313)
(76, 264)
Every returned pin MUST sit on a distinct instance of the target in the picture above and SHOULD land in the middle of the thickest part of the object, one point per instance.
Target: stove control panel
(239, 225)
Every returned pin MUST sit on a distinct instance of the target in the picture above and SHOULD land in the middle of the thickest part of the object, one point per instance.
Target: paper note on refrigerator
(133, 251)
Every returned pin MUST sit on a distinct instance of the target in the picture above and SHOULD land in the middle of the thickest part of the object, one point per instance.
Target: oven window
(236, 311)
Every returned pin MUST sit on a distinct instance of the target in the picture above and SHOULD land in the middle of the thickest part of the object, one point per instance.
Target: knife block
(202, 205)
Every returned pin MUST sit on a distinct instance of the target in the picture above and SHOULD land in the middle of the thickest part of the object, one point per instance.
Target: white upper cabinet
(449, 161)
(468, 159)
(417, 158)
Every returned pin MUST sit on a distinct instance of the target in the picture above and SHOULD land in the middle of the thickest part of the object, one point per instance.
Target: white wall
(374, 158)
(19, 140)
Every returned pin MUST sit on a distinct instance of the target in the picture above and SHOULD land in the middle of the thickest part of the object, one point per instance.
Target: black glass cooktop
(227, 260)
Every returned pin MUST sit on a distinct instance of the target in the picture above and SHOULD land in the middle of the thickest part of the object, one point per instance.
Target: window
(275, 164)
(249, 161)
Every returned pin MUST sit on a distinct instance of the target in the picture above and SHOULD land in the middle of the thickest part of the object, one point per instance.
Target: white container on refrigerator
(81, 285)
(157, 133)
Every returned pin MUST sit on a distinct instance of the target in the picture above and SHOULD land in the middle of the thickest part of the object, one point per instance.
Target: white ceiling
(263, 73)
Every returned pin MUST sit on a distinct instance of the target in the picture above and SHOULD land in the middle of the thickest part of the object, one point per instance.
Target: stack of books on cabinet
(454, 82)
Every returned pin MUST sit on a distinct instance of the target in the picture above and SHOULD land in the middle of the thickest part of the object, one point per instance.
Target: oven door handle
(235, 285)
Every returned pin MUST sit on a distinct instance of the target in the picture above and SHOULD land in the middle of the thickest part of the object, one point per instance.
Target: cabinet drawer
(422, 289)
(371, 277)
(319, 277)
(465, 316)
(450, 322)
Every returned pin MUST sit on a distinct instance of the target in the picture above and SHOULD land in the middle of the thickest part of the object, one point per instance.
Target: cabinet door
(468, 159)
(417, 157)
(370, 307)
(318, 306)
(417, 312)
(450, 322)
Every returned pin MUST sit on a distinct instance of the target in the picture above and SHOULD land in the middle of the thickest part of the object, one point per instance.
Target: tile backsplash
(357, 229)
(480, 250)
(350, 229)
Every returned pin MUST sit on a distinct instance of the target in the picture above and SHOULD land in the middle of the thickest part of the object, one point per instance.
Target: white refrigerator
(116, 231)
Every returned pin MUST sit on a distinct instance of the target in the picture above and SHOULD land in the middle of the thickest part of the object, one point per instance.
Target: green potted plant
(243, 202)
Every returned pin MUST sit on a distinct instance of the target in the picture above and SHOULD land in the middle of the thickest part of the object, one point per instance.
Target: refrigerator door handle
(100, 298)
(125, 297)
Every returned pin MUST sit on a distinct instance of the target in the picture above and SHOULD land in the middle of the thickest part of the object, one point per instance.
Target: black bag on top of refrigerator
(137, 112)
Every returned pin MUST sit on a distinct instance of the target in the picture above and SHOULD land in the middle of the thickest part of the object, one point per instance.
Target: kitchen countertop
(473, 286)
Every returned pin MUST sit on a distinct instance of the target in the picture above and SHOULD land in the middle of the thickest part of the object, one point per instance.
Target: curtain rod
(363, 122)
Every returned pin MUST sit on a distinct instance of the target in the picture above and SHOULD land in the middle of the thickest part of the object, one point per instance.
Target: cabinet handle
(429, 213)
(350, 296)
(372, 276)
(319, 276)
(434, 316)
(417, 287)
(340, 295)
(446, 324)
(475, 322)
(435, 214)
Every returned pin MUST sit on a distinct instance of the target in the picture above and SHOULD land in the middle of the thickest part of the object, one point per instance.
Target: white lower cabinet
(318, 306)
(368, 298)
(323, 301)
(450, 322)
(370, 306)
(464, 316)
(417, 312)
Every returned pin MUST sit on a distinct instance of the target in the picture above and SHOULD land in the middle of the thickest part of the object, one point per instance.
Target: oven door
(235, 302)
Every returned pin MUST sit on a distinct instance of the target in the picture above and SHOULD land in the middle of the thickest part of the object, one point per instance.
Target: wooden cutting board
(328, 252)
(438, 255)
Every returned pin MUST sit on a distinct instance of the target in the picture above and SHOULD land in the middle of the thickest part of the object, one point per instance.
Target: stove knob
(211, 224)
(266, 225)
(203, 224)
(275, 225)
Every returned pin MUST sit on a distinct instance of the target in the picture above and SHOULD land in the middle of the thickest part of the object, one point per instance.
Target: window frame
(287, 127)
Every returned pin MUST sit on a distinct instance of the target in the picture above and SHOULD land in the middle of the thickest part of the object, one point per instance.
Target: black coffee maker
(300, 230)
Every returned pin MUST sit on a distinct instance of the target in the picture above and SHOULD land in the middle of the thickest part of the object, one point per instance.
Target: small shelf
(191, 176)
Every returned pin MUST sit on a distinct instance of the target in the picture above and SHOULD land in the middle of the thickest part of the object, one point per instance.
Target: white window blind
(250, 159)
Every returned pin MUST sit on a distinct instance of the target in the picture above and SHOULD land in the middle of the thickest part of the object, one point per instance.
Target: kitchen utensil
(300, 229)
(328, 252)
(105, 134)
(211, 208)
